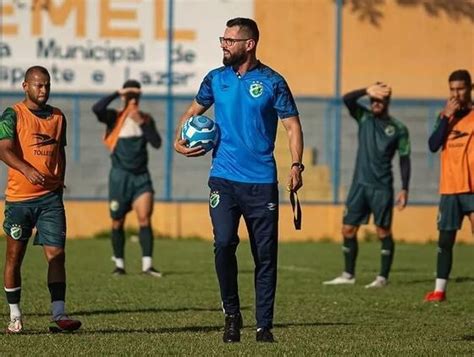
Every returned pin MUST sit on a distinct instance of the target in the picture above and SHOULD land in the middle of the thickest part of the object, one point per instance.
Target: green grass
(180, 313)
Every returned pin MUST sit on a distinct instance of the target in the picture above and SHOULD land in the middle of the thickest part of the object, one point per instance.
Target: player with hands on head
(128, 132)
(380, 137)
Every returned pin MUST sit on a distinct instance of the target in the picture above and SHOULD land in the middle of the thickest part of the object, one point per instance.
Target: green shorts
(124, 188)
(452, 209)
(46, 213)
(364, 200)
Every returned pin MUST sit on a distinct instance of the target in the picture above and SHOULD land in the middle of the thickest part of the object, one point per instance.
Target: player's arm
(180, 144)
(351, 102)
(356, 110)
(439, 135)
(103, 114)
(405, 168)
(62, 150)
(150, 132)
(296, 143)
(7, 149)
(203, 101)
(286, 108)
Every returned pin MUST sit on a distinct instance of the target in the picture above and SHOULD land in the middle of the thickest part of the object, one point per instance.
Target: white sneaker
(379, 282)
(341, 280)
(153, 272)
(15, 325)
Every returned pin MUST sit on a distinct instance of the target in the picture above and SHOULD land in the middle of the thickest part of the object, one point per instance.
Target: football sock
(57, 291)
(118, 242)
(350, 249)
(58, 295)
(445, 254)
(146, 263)
(119, 263)
(146, 241)
(13, 299)
(386, 255)
(57, 309)
(440, 284)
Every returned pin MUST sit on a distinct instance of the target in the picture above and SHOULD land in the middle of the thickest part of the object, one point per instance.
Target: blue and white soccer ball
(200, 130)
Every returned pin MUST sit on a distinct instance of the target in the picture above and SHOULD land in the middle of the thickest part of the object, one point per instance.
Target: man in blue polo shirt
(248, 99)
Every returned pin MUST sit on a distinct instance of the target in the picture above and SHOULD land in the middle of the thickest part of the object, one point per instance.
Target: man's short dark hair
(461, 75)
(131, 83)
(249, 26)
(35, 69)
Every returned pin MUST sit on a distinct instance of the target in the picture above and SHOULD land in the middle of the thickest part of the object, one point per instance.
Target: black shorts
(452, 209)
(45, 213)
(124, 188)
(364, 200)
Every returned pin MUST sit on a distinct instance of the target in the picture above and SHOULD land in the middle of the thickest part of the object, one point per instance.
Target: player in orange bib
(32, 141)
(454, 134)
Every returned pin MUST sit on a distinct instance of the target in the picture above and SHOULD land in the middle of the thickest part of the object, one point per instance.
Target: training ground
(180, 314)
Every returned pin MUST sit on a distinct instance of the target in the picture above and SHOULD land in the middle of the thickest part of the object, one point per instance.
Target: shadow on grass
(463, 279)
(460, 280)
(419, 281)
(467, 338)
(183, 329)
(141, 310)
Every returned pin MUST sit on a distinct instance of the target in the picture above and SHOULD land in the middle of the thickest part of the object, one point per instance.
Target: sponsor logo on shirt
(41, 141)
(256, 89)
(456, 134)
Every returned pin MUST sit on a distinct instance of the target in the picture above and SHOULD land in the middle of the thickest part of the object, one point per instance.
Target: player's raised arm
(439, 135)
(180, 144)
(377, 91)
(100, 109)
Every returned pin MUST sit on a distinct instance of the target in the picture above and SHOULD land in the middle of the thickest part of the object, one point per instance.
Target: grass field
(179, 314)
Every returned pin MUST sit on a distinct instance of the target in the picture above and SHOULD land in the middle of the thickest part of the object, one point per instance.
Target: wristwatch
(299, 165)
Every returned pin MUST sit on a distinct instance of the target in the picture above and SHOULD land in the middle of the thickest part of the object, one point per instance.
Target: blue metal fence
(178, 178)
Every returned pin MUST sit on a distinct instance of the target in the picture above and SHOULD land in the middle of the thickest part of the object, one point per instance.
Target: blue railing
(327, 135)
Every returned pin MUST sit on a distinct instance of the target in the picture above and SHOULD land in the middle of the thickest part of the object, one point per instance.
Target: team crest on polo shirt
(214, 199)
(16, 231)
(256, 89)
(390, 130)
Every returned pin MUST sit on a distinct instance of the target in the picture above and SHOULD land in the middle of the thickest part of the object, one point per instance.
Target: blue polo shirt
(247, 109)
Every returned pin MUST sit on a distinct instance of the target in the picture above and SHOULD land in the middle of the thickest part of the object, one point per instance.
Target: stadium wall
(412, 45)
(416, 224)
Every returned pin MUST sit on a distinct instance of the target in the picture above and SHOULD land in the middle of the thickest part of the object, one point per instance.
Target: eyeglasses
(231, 41)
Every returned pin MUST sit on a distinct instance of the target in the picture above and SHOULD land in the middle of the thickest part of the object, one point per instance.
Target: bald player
(32, 141)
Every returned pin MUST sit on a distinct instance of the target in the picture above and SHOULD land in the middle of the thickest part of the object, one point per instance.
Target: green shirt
(379, 139)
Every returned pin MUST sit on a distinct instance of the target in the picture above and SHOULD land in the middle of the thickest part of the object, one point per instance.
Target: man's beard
(235, 59)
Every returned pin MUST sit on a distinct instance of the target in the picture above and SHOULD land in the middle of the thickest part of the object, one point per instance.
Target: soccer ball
(200, 130)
